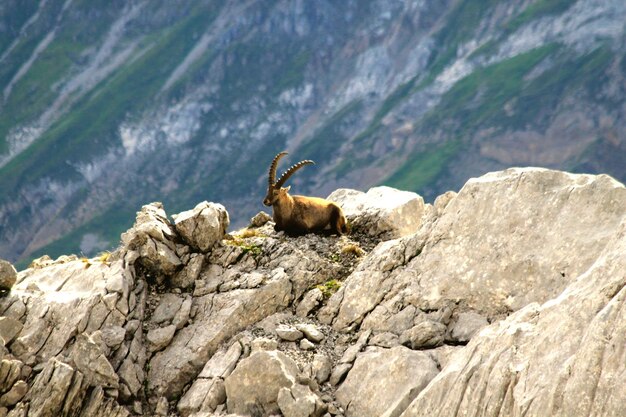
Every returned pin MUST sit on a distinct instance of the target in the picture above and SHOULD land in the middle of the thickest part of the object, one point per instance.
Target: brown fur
(301, 214)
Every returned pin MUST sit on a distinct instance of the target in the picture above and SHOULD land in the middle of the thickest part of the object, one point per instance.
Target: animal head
(275, 189)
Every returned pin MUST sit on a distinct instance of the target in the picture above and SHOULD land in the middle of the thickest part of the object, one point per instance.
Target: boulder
(466, 326)
(160, 337)
(402, 372)
(321, 367)
(288, 333)
(203, 226)
(9, 328)
(560, 358)
(8, 275)
(311, 332)
(253, 387)
(260, 219)
(427, 334)
(299, 401)
(382, 212)
(151, 241)
(507, 239)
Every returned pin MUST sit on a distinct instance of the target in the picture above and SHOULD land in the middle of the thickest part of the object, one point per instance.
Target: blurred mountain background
(108, 105)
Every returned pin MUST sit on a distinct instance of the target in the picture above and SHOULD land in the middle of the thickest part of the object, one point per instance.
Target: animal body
(299, 214)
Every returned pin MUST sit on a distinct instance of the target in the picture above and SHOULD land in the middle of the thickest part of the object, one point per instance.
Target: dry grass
(352, 249)
(246, 233)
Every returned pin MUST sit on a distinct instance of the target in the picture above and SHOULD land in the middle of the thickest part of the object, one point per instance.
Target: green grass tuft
(329, 287)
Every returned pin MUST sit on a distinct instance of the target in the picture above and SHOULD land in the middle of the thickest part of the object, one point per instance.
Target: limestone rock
(203, 226)
(254, 385)
(17, 392)
(113, 336)
(160, 337)
(306, 344)
(57, 390)
(576, 378)
(321, 367)
(383, 211)
(299, 401)
(311, 332)
(92, 363)
(466, 326)
(263, 343)
(222, 363)
(10, 372)
(218, 317)
(79, 333)
(289, 333)
(339, 373)
(505, 240)
(260, 219)
(181, 318)
(9, 328)
(402, 372)
(8, 275)
(99, 405)
(208, 391)
(205, 395)
(152, 240)
(189, 274)
(162, 407)
(309, 302)
(385, 339)
(168, 307)
(427, 334)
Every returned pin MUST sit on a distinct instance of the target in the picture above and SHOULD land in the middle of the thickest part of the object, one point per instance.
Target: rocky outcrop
(202, 227)
(381, 211)
(506, 300)
(8, 275)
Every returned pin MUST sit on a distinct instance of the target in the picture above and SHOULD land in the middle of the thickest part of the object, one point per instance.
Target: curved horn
(291, 170)
(272, 173)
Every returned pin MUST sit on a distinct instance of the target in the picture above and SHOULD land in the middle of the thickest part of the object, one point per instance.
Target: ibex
(299, 214)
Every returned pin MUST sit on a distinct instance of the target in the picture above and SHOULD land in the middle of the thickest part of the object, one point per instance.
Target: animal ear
(286, 189)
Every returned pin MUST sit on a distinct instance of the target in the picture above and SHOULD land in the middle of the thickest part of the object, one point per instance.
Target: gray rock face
(385, 381)
(294, 325)
(466, 326)
(299, 401)
(150, 241)
(427, 334)
(8, 275)
(254, 385)
(93, 364)
(382, 211)
(9, 328)
(574, 378)
(203, 226)
(288, 333)
(507, 239)
(160, 337)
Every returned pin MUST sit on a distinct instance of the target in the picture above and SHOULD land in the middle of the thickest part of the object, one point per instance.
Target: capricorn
(299, 214)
